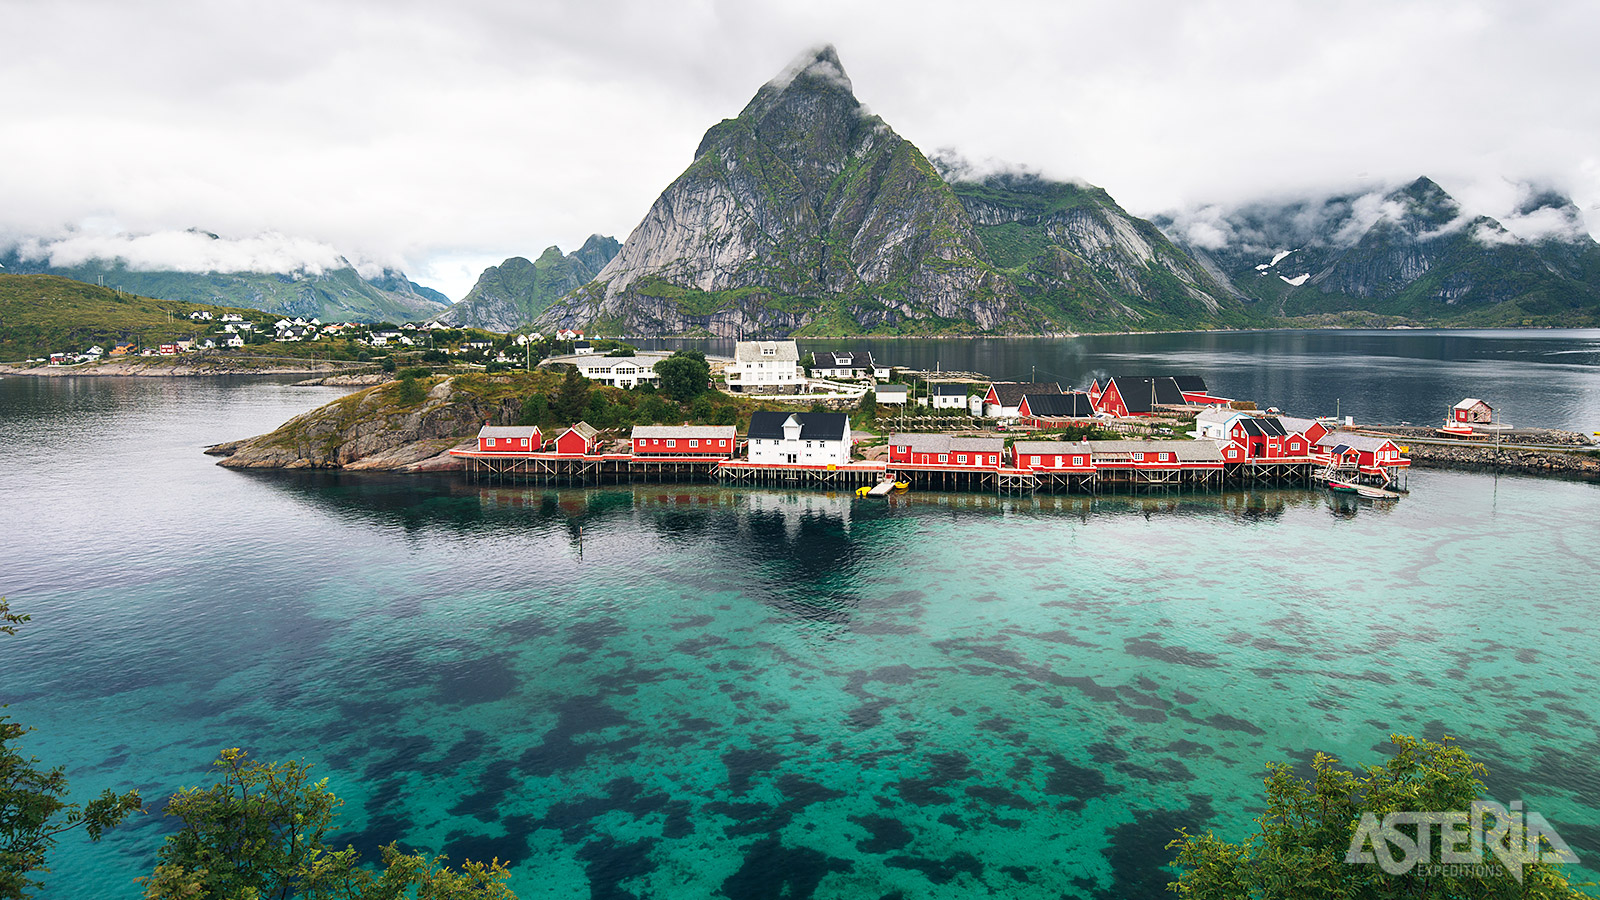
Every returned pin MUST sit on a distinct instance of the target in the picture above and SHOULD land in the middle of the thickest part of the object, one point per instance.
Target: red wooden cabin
(1052, 456)
(579, 440)
(509, 439)
(945, 452)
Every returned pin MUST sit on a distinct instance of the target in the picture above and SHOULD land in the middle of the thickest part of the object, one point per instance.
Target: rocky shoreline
(1522, 462)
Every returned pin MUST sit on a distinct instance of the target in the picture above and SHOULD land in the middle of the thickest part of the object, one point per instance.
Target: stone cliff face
(1082, 263)
(512, 294)
(803, 213)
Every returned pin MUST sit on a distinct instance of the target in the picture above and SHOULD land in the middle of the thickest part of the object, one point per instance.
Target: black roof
(1190, 384)
(949, 390)
(1073, 404)
(1010, 393)
(1267, 426)
(843, 359)
(1136, 391)
(813, 425)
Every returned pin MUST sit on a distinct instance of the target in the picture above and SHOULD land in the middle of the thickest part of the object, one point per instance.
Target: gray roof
(584, 428)
(1184, 451)
(1046, 448)
(724, 432)
(1218, 415)
(1295, 425)
(1010, 393)
(751, 351)
(891, 389)
(1353, 441)
(513, 431)
(946, 443)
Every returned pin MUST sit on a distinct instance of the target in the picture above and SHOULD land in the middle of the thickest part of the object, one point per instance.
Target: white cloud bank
(413, 133)
(194, 251)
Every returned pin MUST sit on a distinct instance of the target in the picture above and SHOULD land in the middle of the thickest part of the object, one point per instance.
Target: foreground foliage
(261, 832)
(1309, 825)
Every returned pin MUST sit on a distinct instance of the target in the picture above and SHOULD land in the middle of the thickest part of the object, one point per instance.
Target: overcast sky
(445, 137)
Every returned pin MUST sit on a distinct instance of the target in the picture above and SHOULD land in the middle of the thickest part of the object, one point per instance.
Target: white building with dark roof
(807, 438)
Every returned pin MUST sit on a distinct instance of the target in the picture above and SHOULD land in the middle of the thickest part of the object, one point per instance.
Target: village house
(583, 348)
(615, 371)
(834, 364)
(1217, 423)
(1138, 396)
(1003, 400)
(1147, 455)
(579, 440)
(765, 367)
(509, 439)
(806, 438)
(1039, 409)
(946, 451)
(684, 440)
(1194, 391)
(947, 396)
(122, 349)
(1371, 455)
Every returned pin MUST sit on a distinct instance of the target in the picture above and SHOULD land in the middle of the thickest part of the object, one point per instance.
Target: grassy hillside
(42, 314)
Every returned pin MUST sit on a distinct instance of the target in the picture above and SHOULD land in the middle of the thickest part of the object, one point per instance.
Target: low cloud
(192, 251)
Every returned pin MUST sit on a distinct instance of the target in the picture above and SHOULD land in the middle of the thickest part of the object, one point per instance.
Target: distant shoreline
(187, 366)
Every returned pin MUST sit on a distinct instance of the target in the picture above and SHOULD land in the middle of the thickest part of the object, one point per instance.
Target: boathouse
(1004, 398)
(894, 394)
(1139, 396)
(1472, 411)
(807, 438)
(1370, 455)
(684, 440)
(509, 439)
(946, 451)
(579, 440)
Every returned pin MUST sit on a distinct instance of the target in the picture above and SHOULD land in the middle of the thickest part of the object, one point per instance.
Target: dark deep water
(694, 692)
(1547, 379)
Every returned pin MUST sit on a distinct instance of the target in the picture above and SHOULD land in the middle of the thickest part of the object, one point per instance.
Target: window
(944, 457)
(961, 459)
(1138, 457)
(991, 459)
(1077, 460)
(491, 442)
(524, 442)
(693, 442)
(671, 442)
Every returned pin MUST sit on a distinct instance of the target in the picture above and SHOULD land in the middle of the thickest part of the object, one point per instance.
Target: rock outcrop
(374, 429)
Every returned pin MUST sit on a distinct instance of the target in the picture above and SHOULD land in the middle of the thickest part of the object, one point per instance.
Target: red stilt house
(509, 439)
(945, 452)
(579, 440)
(1129, 396)
(1051, 456)
(684, 440)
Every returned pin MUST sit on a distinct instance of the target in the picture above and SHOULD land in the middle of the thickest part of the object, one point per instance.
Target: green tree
(535, 410)
(869, 405)
(1307, 830)
(700, 409)
(34, 813)
(260, 833)
(684, 375)
(572, 399)
(389, 364)
(410, 391)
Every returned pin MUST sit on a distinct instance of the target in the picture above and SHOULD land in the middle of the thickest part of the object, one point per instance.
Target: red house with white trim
(1130, 396)
(1005, 397)
(1472, 411)
(579, 440)
(684, 440)
(509, 439)
(945, 451)
(1370, 454)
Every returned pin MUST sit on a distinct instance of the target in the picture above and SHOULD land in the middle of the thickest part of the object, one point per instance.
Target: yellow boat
(901, 486)
(862, 492)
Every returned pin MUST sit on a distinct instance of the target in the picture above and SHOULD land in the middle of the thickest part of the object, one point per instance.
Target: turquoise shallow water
(687, 692)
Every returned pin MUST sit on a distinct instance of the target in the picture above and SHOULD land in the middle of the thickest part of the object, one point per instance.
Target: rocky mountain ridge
(511, 295)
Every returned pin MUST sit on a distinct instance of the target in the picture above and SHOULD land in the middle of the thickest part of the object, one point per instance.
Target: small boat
(863, 491)
(1343, 487)
(1368, 492)
(900, 487)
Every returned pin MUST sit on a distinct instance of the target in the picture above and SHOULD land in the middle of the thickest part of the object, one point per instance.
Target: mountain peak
(812, 78)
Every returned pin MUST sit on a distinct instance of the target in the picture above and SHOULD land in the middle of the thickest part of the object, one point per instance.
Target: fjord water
(675, 691)
(1538, 378)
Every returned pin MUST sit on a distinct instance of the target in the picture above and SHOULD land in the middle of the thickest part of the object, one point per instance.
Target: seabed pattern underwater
(691, 692)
